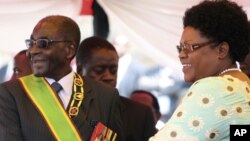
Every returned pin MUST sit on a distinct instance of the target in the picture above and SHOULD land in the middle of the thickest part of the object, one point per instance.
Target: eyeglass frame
(192, 47)
(47, 41)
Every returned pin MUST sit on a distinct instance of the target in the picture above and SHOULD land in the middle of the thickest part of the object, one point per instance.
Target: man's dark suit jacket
(138, 120)
(20, 120)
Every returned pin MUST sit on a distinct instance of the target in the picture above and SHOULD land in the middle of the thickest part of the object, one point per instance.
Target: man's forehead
(143, 96)
(46, 24)
(104, 64)
(103, 59)
(45, 30)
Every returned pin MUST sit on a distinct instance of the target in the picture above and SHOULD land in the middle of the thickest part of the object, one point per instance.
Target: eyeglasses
(41, 43)
(187, 48)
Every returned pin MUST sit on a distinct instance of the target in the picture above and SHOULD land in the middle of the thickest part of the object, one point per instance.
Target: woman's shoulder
(220, 81)
(221, 87)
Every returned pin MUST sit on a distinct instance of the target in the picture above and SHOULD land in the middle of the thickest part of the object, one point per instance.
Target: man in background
(97, 59)
(21, 65)
(147, 98)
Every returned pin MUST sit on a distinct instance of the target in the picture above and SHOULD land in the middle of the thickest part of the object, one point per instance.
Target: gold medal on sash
(73, 111)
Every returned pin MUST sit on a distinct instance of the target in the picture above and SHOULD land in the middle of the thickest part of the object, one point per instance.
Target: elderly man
(55, 103)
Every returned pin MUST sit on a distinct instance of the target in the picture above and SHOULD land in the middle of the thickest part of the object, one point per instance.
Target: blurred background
(144, 32)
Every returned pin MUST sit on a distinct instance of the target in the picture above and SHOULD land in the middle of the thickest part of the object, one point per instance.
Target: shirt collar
(66, 82)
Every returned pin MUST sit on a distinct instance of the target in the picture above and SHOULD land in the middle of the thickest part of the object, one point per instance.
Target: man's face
(102, 66)
(49, 61)
(21, 66)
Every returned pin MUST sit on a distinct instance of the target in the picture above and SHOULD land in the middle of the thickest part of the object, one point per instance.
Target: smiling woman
(219, 95)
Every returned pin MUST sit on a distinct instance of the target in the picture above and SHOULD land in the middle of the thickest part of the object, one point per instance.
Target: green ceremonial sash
(44, 98)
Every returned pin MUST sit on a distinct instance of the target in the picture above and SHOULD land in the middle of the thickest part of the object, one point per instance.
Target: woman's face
(198, 58)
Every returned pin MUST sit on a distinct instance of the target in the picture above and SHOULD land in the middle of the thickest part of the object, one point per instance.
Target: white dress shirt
(66, 82)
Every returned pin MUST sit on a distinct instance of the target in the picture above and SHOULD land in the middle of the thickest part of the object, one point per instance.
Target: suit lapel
(81, 119)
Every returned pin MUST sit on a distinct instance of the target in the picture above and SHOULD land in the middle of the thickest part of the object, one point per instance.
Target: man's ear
(223, 50)
(71, 50)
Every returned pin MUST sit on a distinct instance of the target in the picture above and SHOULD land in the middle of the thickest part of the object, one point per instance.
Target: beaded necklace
(230, 69)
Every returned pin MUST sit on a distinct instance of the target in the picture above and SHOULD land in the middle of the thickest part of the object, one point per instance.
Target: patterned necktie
(56, 87)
